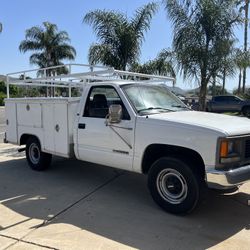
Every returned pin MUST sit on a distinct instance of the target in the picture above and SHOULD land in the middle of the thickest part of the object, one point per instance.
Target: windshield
(151, 99)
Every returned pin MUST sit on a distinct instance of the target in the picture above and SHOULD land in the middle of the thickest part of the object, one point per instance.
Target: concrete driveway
(76, 205)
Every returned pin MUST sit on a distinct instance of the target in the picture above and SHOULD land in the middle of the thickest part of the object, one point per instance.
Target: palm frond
(61, 37)
(38, 59)
(141, 22)
(104, 23)
(64, 51)
(50, 27)
(99, 53)
(27, 45)
(161, 65)
(34, 33)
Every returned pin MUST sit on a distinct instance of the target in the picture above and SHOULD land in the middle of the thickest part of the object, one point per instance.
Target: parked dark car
(229, 103)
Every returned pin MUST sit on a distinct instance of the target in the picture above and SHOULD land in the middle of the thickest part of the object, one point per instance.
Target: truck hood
(229, 125)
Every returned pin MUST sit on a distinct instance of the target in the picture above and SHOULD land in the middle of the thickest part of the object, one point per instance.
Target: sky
(19, 15)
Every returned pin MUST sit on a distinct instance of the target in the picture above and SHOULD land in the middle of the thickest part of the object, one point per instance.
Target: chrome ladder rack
(76, 76)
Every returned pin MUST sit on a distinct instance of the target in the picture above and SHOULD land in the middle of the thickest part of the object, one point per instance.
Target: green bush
(2, 96)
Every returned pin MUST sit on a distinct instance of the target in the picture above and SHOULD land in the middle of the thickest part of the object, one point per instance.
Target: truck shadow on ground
(113, 204)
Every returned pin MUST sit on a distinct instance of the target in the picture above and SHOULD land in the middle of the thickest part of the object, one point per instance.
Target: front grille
(247, 149)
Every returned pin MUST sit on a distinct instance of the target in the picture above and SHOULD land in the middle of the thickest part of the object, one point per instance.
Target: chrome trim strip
(120, 152)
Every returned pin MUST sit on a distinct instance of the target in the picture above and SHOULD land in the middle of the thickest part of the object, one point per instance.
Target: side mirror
(115, 113)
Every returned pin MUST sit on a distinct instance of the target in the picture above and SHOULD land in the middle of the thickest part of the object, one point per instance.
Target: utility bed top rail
(75, 75)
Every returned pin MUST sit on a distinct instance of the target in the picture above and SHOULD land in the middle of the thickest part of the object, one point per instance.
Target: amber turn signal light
(224, 149)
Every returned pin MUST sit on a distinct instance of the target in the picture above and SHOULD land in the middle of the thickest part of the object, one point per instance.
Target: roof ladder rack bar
(77, 75)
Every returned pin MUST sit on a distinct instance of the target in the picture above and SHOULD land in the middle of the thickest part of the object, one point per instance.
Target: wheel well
(245, 106)
(24, 138)
(156, 151)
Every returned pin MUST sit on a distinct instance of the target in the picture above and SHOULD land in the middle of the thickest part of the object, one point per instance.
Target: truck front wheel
(173, 185)
(37, 159)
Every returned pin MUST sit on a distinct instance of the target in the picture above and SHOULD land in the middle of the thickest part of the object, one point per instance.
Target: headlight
(229, 151)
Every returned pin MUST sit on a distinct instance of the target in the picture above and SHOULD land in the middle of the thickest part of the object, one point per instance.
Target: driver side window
(99, 100)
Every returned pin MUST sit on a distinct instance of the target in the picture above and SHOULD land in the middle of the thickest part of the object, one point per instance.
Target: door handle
(81, 125)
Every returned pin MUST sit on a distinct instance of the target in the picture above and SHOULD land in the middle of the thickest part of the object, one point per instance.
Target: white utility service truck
(133, 122)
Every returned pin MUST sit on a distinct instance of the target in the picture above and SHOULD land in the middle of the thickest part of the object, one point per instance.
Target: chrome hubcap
(34, 153)
(172, 186)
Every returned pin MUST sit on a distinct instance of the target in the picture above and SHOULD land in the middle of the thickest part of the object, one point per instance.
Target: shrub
(2, 96)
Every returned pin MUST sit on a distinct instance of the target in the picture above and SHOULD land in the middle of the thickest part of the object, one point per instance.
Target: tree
(163, 65)
(201, 29)
(50, 46)
(242, 61)
(119, 38)
(228, 62)
(3, 90)
(217, 90)
(246, 10)
(1, 27)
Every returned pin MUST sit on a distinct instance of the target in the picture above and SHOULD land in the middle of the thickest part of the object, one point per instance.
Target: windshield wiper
(152, 108)
(179, 106)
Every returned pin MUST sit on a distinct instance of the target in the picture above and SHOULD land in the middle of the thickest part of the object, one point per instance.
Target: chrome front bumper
(227, 179)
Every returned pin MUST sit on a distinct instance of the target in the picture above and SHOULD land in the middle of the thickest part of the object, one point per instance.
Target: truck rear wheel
(37, 159)
(173, 185)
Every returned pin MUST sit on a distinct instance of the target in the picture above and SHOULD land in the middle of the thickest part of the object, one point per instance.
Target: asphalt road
(2, 123)
(77, 205)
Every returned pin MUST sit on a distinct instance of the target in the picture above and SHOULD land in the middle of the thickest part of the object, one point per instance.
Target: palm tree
(163, 65)
(50, 46)
(228, 69)
(246, 10)
(228, 62)
(242, 61)
(119, 38)
(201, 29)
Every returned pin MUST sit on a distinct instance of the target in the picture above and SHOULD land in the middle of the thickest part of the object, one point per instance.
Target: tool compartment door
(11, 122)
(29, 115)
(56, 135)
(48, 126)
(61, 133)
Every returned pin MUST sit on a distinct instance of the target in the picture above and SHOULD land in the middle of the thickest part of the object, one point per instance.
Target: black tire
(37, 159)
(246, 111)
(182, 194)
